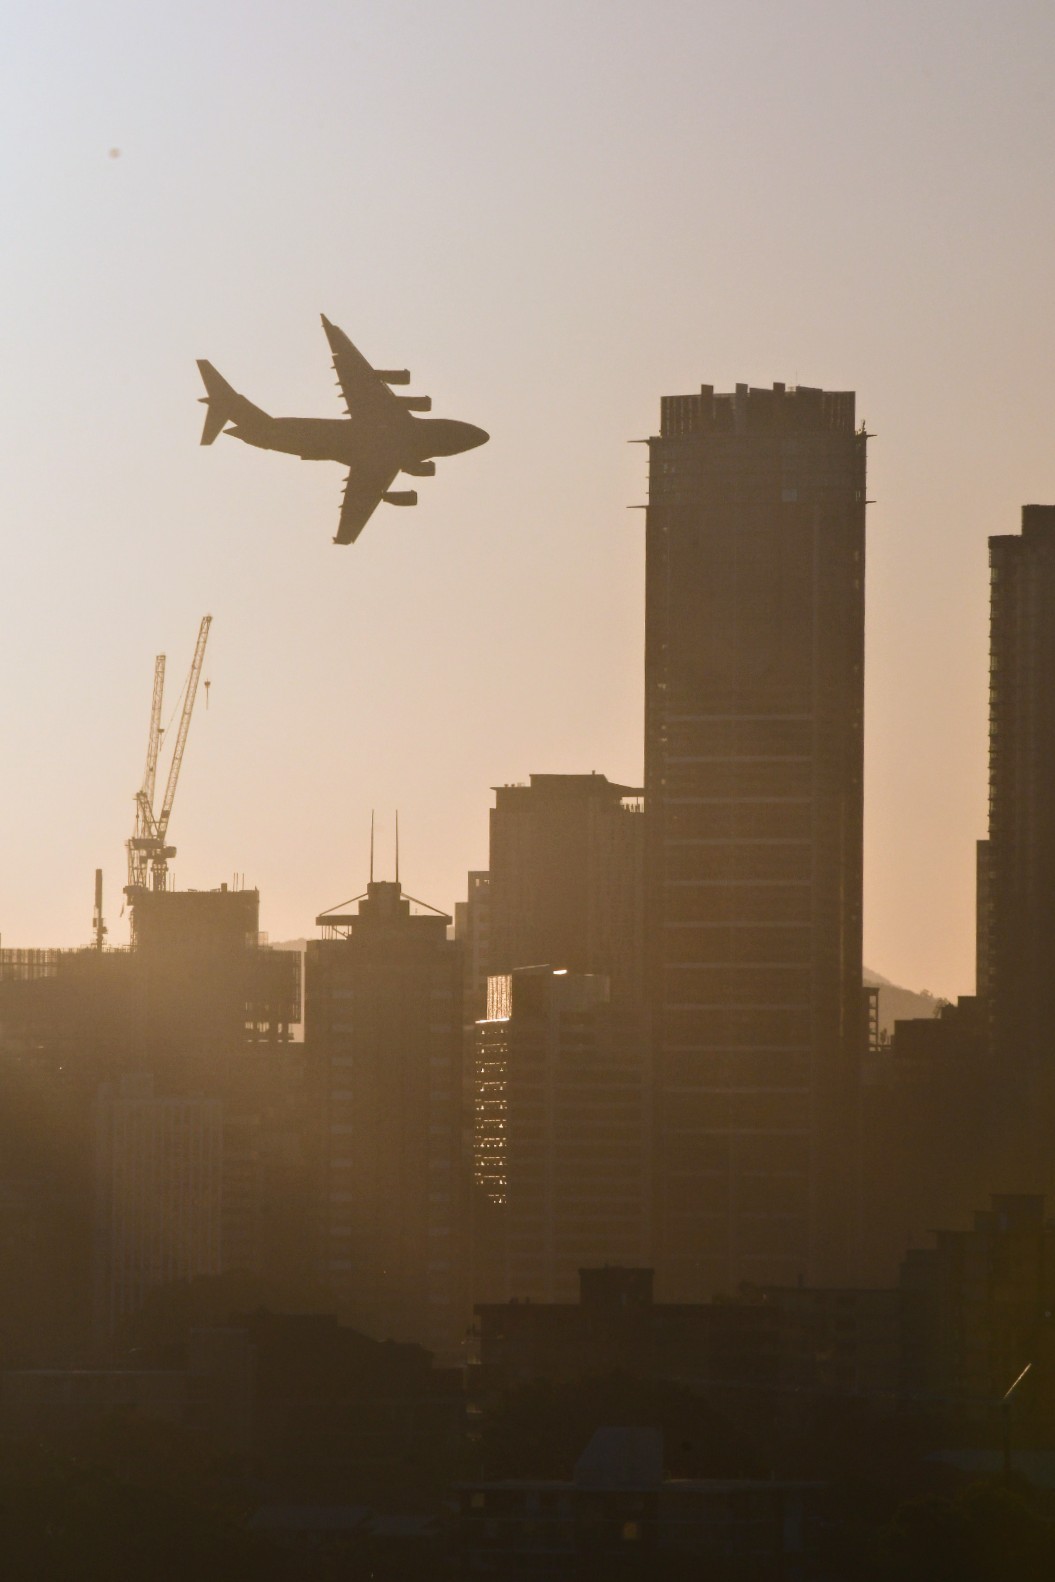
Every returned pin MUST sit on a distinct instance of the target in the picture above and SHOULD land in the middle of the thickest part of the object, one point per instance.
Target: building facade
(158, 1193)
(784, 1342)
(472, 929)
(1017, 920)
(566, 868)
(383, 1029)
(753, 797)
(561, 1156)
(111, 1060)
(978, 1308)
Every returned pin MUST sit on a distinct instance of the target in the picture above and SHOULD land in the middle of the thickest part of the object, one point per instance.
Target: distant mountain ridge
(898, 1004)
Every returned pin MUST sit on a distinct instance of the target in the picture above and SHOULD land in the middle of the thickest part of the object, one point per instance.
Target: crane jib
(148, 850)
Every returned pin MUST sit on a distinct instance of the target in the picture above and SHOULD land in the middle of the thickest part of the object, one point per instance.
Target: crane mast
(159, 865)
(148, 851)
(154, 739)
(143, 831)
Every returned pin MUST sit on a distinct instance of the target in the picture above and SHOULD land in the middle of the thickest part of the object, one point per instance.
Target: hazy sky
(553, 212)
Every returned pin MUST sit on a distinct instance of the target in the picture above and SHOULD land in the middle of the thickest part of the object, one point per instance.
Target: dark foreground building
(619, 1516)
(794, 1344)
(753, 797)
(978, 1312)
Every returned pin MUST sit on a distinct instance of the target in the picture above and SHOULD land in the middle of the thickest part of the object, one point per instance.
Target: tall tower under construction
(753, 808)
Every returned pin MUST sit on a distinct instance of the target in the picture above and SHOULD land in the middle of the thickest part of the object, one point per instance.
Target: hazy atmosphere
(553, 214)
(565, 1090)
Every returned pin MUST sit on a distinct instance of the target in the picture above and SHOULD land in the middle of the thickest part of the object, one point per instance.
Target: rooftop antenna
(371, 845)
(397, 845)
(99, 929)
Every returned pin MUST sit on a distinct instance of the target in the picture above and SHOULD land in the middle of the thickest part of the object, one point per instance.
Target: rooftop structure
(566, 865)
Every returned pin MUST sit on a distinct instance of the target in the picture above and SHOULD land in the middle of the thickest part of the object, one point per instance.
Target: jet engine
(401, 497)
(394, 376)
(420, 469)
(416, 403)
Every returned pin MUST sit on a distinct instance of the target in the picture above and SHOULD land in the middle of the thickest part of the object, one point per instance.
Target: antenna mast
(98, 926)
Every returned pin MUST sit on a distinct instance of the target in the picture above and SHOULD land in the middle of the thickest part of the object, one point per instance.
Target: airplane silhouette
(378, 439)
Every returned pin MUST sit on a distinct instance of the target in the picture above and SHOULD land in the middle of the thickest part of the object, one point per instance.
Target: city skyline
(902, 256)
(563, 1090)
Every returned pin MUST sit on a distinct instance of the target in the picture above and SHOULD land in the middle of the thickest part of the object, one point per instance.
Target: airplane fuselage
(345, 441)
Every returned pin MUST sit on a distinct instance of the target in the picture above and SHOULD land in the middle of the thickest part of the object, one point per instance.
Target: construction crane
(143, 832)
(148, 851)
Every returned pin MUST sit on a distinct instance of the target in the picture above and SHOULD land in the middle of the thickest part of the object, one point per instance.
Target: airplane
(378, 439)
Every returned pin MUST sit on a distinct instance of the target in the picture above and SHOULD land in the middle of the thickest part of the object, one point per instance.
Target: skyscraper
(1017, 916)
(753, 798)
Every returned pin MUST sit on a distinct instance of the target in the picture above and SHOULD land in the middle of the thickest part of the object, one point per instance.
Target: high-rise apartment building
(1017, 919)
(566, 865)
(561, 1155)
(753, 798)
(383, 1030)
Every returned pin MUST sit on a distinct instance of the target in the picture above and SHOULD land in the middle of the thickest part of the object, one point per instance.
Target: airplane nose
(477, 436)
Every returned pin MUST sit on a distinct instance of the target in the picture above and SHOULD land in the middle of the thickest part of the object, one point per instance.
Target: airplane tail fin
(223, 404)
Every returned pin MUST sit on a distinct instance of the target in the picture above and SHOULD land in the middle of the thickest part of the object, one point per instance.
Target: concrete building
(561, 1142)
(383, 1029)
(1017, 921)
(928, 1136)
(205, 979)
(979, 1306)
(158, 1193)
(780, 1342)
(566, 864)
(753, 797)
(99, 1049)
(620, 1516)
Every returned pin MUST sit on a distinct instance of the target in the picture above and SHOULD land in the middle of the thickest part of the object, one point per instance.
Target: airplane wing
(363, 489)
(366, 395)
